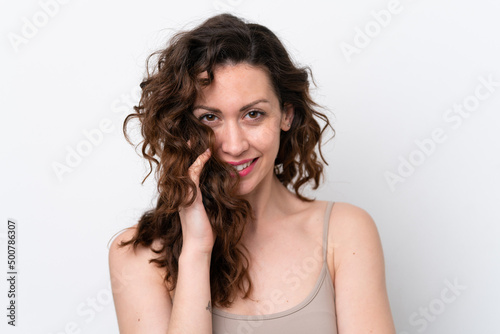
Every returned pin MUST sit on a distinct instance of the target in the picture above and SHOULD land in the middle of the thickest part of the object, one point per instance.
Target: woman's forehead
(237, 82)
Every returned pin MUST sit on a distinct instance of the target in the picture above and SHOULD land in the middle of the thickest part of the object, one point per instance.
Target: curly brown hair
(167, 123)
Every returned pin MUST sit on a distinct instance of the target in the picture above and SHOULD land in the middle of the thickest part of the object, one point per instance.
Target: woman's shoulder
(352, 231)
(359, 269)
(127, 260)
(348, 220)
(348, 211)
(342, 214)
(141, 297)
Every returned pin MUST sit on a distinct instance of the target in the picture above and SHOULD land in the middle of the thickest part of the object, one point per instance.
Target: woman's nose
(233, 140)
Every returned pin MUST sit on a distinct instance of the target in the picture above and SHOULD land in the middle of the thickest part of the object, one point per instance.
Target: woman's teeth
(241, 167)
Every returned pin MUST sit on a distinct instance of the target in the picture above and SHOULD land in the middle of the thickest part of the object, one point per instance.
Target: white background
(438, 227)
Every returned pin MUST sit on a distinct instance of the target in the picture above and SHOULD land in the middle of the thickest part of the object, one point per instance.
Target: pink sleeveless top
(315, 314)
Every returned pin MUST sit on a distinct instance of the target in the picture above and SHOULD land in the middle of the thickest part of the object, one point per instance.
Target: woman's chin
(243, 191)
(245, 188)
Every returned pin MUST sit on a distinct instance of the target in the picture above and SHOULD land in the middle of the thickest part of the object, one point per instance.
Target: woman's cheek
(267, 133)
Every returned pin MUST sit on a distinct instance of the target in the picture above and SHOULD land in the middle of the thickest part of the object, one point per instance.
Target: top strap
(328, 212)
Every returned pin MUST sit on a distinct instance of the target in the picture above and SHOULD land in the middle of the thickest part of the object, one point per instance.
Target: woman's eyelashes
(207, 118)
(253, 115)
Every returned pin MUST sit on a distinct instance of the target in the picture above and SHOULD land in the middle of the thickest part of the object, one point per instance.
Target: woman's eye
(254, 114)
(208, 117)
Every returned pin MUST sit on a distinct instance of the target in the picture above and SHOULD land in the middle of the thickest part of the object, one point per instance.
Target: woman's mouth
(245, 167)
(241, 167)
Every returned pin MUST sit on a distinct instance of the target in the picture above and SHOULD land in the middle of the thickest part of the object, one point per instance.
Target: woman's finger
(197, 166)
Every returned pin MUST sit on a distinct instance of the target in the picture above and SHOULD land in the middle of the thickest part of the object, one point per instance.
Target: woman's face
(244, 112)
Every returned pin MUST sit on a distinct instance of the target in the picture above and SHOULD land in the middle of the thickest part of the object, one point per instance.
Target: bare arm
(361, 295)
(142, 301)
(141, 298)
(192, 312)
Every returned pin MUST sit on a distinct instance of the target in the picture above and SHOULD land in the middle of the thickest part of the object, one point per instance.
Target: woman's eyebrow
(251, 104)
(245, 107)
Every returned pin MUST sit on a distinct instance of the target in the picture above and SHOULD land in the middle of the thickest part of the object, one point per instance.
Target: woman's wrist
(191, 254)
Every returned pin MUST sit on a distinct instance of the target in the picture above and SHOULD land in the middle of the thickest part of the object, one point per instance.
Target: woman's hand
(197, 233)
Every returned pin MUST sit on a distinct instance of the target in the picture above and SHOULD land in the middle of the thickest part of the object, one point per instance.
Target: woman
(232, 245)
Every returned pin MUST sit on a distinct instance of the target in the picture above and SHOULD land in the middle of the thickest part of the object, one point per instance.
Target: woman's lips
(236, 163)
(247, 169)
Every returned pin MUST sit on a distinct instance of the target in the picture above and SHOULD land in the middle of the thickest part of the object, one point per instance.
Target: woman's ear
(287, 117)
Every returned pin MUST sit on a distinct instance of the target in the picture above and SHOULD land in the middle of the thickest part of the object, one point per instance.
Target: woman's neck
(270, 203)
